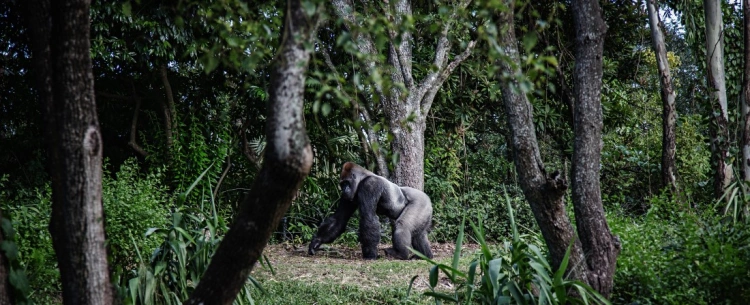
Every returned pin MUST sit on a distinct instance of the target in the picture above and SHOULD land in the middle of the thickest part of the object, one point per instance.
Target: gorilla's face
(347, 190)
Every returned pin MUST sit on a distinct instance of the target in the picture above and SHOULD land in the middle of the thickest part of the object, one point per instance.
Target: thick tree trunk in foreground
(60, 43)
(398, 106)
(599, 245)
(545, 192)
(746, 95)
(718, 92)
(287, 162)
(669, 113)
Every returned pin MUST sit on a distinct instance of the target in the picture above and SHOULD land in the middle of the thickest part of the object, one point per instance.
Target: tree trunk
(600, 246)
(398, 106)
(746, 95)
(287, 162)
(718, 92)
(669, 115)
(545, 193)
(169, 113)
(60, 42)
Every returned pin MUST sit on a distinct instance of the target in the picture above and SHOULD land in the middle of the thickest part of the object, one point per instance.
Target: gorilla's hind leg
(422, 244)
(402, 238)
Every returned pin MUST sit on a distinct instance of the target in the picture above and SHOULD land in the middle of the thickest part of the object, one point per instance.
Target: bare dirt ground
(344, 265)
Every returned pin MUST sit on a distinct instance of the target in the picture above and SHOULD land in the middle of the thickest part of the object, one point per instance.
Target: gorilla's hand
(314, 245)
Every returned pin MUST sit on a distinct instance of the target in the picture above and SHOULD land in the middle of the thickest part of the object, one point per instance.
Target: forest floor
(337, 274)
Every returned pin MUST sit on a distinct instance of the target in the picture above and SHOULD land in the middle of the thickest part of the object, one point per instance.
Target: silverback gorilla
(410, 208)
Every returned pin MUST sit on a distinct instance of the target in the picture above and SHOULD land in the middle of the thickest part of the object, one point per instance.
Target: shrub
(689, 259)
(29, 212)
(133, 203)
(185, 250)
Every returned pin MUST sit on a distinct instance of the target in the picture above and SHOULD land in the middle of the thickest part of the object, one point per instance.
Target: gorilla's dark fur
(372, 194)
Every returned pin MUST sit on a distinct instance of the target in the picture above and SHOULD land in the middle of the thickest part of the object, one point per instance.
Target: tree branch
(223, 174)
(430, 85)
(363, 111)
(399, 51)
(426, 101)
(112, 96)
(345, 10)
(134, 125)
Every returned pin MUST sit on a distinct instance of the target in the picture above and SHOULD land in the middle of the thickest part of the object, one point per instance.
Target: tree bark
(398, 106)
(133, 142)
(746, 95)
(544, 192)
(669, 115)
(168, 110)
(600, 246)
(717, 86)
(287, 162)
(65, 82)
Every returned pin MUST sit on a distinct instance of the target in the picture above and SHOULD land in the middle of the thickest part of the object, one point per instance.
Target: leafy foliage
(29, 211)
(684, 259)
(18, 289)
(172, 271)
(518, 273)
(133, 203)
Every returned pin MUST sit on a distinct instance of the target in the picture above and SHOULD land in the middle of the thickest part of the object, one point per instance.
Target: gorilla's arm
(373, 195)
(333, 226)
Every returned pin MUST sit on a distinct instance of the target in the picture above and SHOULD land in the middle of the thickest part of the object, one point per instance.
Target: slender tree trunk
(746, 95)
(669, 115)
(544, 192)
(600, 246)
(169, 112)
(397, 105)
(287, 162)
(133, 142)
(60, 42)
(718, 92)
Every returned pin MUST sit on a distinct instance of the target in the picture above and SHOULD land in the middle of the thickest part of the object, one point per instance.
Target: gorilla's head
(351, 175)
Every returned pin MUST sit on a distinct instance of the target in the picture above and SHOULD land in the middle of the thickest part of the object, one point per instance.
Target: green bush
(631, 156)
(186, 245)
(133, 203)
(30, 212)
(685, 260)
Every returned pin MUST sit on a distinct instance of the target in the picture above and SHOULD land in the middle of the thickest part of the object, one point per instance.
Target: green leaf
(309, 8)
(434, 272)
(10, 249)
(127, 9)
(515, 292)
(459, 243)
(529, 41)
(441, 296)
(192, 186)
(210, 62)
(493, 270)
